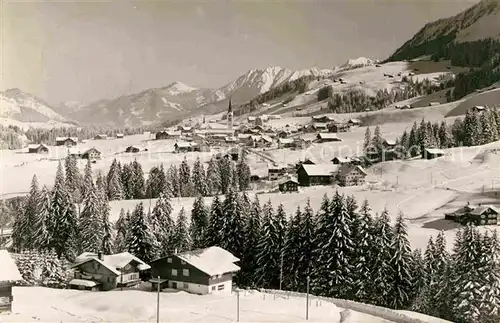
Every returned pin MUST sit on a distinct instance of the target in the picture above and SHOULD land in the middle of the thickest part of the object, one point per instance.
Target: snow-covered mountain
(357, 63)
(19, 106)
(178, 99)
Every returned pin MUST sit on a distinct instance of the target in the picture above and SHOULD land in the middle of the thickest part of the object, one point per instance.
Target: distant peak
(180, 87)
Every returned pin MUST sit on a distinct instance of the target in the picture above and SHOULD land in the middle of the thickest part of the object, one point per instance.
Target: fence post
(237, 306)
(307, 299)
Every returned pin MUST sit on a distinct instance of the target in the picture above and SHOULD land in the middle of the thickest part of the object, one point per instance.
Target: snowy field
(140, 306)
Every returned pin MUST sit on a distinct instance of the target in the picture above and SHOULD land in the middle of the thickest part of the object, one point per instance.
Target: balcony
(127, 278)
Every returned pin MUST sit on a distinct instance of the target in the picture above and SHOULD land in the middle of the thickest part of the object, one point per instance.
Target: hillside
(178, 100)
(20, 108)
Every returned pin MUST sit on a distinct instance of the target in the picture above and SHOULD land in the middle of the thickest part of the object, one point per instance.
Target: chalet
(91, 154)
(322, 174)
(338, 127)
(346, 160)
(322, 119)
(354, 122)
(388, 144)
(120, 136)
(300, 143)
(9, 274)
(264, 141)
(105, 272)
(479, 215)
(101, 137)
(320, 127)
(202, 271)
(351, 175)
(283, 134)
(288, 185)
(198, 137)
(285, 143)
(132, 149)
(478, 108)
(431, 153)
(183, 146)
(185, 129)
(66, 141)
(251, 119)
(231, 140)
(276, 172)
(167, 135)
(327, 137)
(233, 153)
(38, 149)
(76, 153)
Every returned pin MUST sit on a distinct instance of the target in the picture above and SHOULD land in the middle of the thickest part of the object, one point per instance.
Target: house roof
(286, 180)
(328, 135)
(9, 270)
(90, 149)
(320, 125)
(74, 151)
(482, 208)
(391, 142)
(244, 135)
(434, 151)
(347, 168)
(75, 139)
(35, 146)
(119, 134)
(185, 144)
(212, 261)
(111, 262)
(342, 159)
(354, 120)
(266, 138)
(82, 282)
(285, 140)
(320, 169)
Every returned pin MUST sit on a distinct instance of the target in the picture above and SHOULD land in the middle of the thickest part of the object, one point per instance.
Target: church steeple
(230, 116)
(230, 108)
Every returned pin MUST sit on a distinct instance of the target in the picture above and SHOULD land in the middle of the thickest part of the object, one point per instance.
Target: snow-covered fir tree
(41, 222)
(225, 167)
(181, 239)
(199, 223)
(138, 186)
(243, 171)
(23, 230)
(141, 241)
(90, 224)
(162, 223)
(173, 180)
(214, 180)
(155, 182)
(121, 226)
(268, 252)
(490, 269)
(199, 179)
(186, 186)
(307, 245)
(114, 189)
(291, 250)
(53, 271)
(233, 225)
(252, 234)
(107, 228)
(367, 141)
(215, 223)
(127, 179)
(73, 178)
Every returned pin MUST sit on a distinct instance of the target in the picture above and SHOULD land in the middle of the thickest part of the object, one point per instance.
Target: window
(220, 287)
(169, 260)
(185, 286)
(174, 272)
(213, 287)
(185, 272)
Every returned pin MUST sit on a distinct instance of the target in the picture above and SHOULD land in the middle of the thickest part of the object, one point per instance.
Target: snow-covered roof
(435, 151)
(185, 144)
(8, 269)
(266, 138)
(74, 151)
(354, 120)
(243, 135)
(481, 209)
(320, 125)
(75, 139)
(212, 261)
(328, 135)
(119, 134)
(390, 142)
(320, 169)
(347, 168)
(251, 118)
(35, 146)
(83, 282)
(112, 262)
(285, 140)
(342, 159)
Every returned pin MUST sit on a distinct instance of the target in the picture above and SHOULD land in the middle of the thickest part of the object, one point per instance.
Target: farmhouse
(322, 119)
(183, 146)
(327, 137)
(322, 174)
(288, 185)
(283, 134)
(320, 127)
(338, 127)
(354, 122)
(119, 135)
(276, 172)
(479, 215)
(285, 143)
(105, 272)
(346, 160)
(9, 274)
(76, 153)
(167, 135)
(91, 154)
(431, 153)
(132, 149)
(101, 137)
(66, 141)
(202, 271)
(388, 144)
(38, 149)
(351, 175)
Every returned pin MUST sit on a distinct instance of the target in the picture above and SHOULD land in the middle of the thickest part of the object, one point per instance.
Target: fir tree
(162, 224)
(252, 233)
(215, 224)
(91, 226)
(186, 186)
(140, 240)
(156, 181)
(364, 254)
(367, 141)
(243, 171)
(198, 178)
(418, 279)
(53, 272)
(291, 249)
(199, 223)
(225, 174)
(127, 179)
(214, 181)
(173, 179)
(444, 136)
(401, 289)
(138, 186)
(307, 246)
(114, 183)
(490, 269)
(414, 141)
(88, 180)
(268, 252)
(232, 231)
(121, 226)
(73, 178)
(41, 221)
(108, 232)
(24, 225)
(181, 240)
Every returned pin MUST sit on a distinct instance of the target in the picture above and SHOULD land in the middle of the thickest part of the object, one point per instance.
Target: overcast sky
(90, 50)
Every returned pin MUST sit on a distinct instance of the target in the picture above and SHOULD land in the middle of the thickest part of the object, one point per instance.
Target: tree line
(11, 137)
(344, 250)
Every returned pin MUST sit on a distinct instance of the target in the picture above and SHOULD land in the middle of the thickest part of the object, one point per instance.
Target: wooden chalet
(38, 149)
(9, 274)
(288, 185)
(283, 134)
(105, 272)
(319, 127)
(322, 174)
(286, 143)
(120, 136)
(167, 135)
(233, 153)
(431, 153)
(132, 149)
(351, 175)
(184, 147)
(91, 154)
(101, 137)
(338, 127)
(478, 215)
(276, 172)
(388, 144)
(354, 122)
(327, 137)
(322, 119)
(66, 141)
(202, 271)
(346, 160)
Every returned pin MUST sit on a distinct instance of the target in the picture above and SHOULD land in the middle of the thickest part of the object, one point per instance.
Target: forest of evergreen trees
(348, 252)
(11, 137)
(476, 128)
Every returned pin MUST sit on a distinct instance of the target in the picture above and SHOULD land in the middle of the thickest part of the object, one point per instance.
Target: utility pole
(307, 299)
(158, 303)
(121, 281)
(237, 305)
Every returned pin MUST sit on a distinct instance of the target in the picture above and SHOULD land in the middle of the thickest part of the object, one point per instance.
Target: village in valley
(364, 193)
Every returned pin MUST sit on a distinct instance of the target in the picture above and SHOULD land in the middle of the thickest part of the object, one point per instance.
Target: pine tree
(215, 224)
(232, 231)
(377, 141)
(138, 186)
(198, 178)
(401, 289)
(114, 183)
(53, 271)
(88, 180)
(364, 254)
(444, 136)
(41, 238)
(173, 179)
(414, 141)
(140, 240)
(243, 171)
(268, 252)
(155, 182)
(199, 223)
(367, 141)
(73, 178)
(23, 230)
(186, 186)
(181, 239)
(490, 269)
(252, 233)
(292, 248)
(62, 224)
(121, 226)
(225, 174)
(213, 177)
(162, 224)
(487, 134)
(127, 179)
(418, 280)
(470, 127)
(380, 284)
(108, 232)
(90, 225)
(307, 246)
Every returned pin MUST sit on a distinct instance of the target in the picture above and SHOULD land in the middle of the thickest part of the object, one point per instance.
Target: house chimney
(99, 255)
